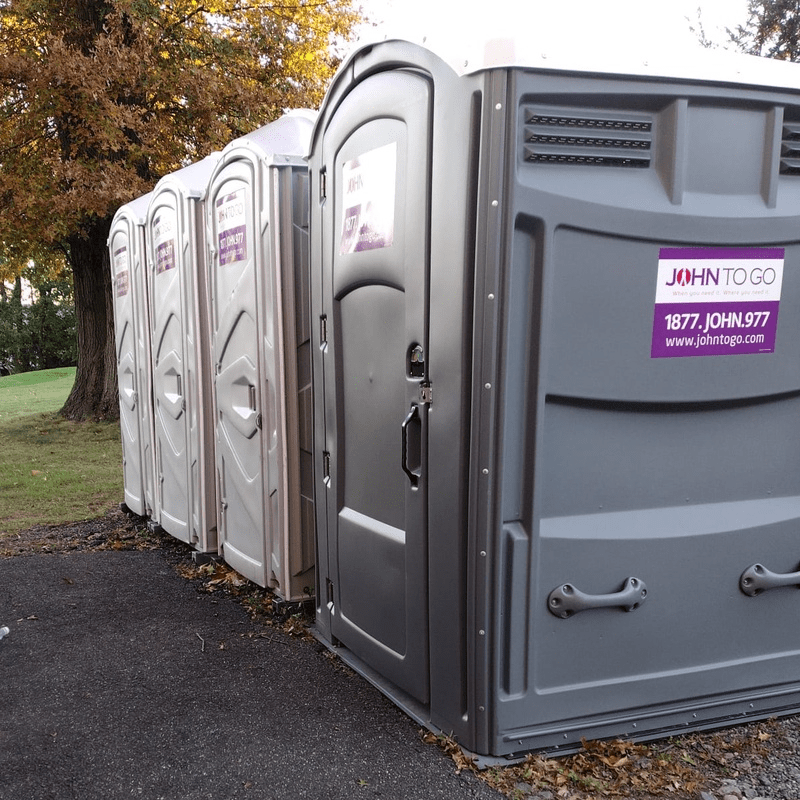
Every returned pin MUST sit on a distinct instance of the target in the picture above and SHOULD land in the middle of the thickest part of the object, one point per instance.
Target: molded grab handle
(410, 417)
(566, 601)
(757, 578)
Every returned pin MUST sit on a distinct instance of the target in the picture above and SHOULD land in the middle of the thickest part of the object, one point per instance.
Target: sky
(598, 23)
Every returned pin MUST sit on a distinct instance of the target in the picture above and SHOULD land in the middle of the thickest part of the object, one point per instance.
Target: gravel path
(772, 776)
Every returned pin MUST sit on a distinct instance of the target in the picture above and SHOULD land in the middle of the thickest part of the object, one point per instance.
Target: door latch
(425, 394)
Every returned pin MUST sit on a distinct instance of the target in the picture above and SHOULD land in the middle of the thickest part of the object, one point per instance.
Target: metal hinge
(425, 394)
(326, 466)
(329, 594)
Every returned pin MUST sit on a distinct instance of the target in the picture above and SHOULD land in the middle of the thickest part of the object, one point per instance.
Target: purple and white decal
(164, 240)
(121, 279)
(716, 301)
(232, 226)
(368, 187)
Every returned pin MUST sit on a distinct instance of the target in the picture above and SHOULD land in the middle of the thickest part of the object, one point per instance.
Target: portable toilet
(127, 254)
(555, 382)
(184, 449)
(257, 222)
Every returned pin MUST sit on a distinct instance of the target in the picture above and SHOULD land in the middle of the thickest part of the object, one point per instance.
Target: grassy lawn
(51, 470)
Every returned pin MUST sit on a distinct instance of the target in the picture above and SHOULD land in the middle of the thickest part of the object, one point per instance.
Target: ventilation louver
(581, 139)
(790, 149)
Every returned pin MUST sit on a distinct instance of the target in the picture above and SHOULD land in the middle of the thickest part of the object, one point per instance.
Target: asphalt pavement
(119, 679)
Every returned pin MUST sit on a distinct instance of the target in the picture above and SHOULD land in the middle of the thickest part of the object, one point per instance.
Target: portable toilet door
(181, 375)
(127, 252)
(371, 221)
(556, 389)
(257, 218)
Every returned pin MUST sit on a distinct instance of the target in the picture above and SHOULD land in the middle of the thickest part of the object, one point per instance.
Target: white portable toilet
(556, 304)
(184, 444)
(127, 252)
(257, 222)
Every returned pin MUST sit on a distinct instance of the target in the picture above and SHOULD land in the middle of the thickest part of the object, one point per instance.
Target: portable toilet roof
(556, 381)
(257, 222)
(650, 59)
(126, 244)
(288, 135)
(181, 368)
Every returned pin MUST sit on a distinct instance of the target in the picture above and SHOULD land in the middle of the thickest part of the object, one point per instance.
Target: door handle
(566, 601)
(757, 579)
(410, 423)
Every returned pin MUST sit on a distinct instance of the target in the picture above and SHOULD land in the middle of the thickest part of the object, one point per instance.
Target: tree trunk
(95, 394)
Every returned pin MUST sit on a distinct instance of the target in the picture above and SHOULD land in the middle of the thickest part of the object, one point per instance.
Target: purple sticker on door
(368, 188)
(716, 301)
(163, 235)
(232, 225)
(121, 278)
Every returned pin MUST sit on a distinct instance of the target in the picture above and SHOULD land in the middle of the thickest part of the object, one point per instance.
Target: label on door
(121, 271)
(716, 301)
(232, 227)
(164, 239)
(368, 187)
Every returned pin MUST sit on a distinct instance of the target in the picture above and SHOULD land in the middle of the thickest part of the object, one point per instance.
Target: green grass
(52, 471)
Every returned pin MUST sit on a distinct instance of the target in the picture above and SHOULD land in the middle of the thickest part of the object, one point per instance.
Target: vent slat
(577, 159)
(591, 123)
(791, 131)
(577, 138)
(587, 141)
(790, 166)
(791, 149)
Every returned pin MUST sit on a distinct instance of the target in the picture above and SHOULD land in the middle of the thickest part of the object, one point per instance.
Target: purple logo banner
(122, 284)
(233, 245)
(232, 221)
(368, 197)
(716, 301)
(165, 256)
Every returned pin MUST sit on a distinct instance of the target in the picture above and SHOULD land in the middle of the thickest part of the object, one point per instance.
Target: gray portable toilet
(257, 222)
(555, 380)
(127, 253)
(184, 451)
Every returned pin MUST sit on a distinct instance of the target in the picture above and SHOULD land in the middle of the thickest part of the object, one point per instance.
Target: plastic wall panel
(680, 472)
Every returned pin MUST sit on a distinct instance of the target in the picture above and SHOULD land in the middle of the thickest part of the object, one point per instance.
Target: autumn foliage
(100, 98)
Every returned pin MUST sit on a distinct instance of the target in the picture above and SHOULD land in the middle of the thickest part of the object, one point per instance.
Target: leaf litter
(679, 768)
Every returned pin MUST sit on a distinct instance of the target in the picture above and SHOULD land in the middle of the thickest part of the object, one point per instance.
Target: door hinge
(326, 467)
(329, 594)
(425, 394)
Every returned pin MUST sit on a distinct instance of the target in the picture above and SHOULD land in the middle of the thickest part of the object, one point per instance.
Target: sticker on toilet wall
(368, 189)
(164, 240)
(716, 301)
(121, 279)
(232, 226)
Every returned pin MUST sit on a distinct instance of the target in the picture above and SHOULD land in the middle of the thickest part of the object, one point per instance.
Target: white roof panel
(472, 55)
